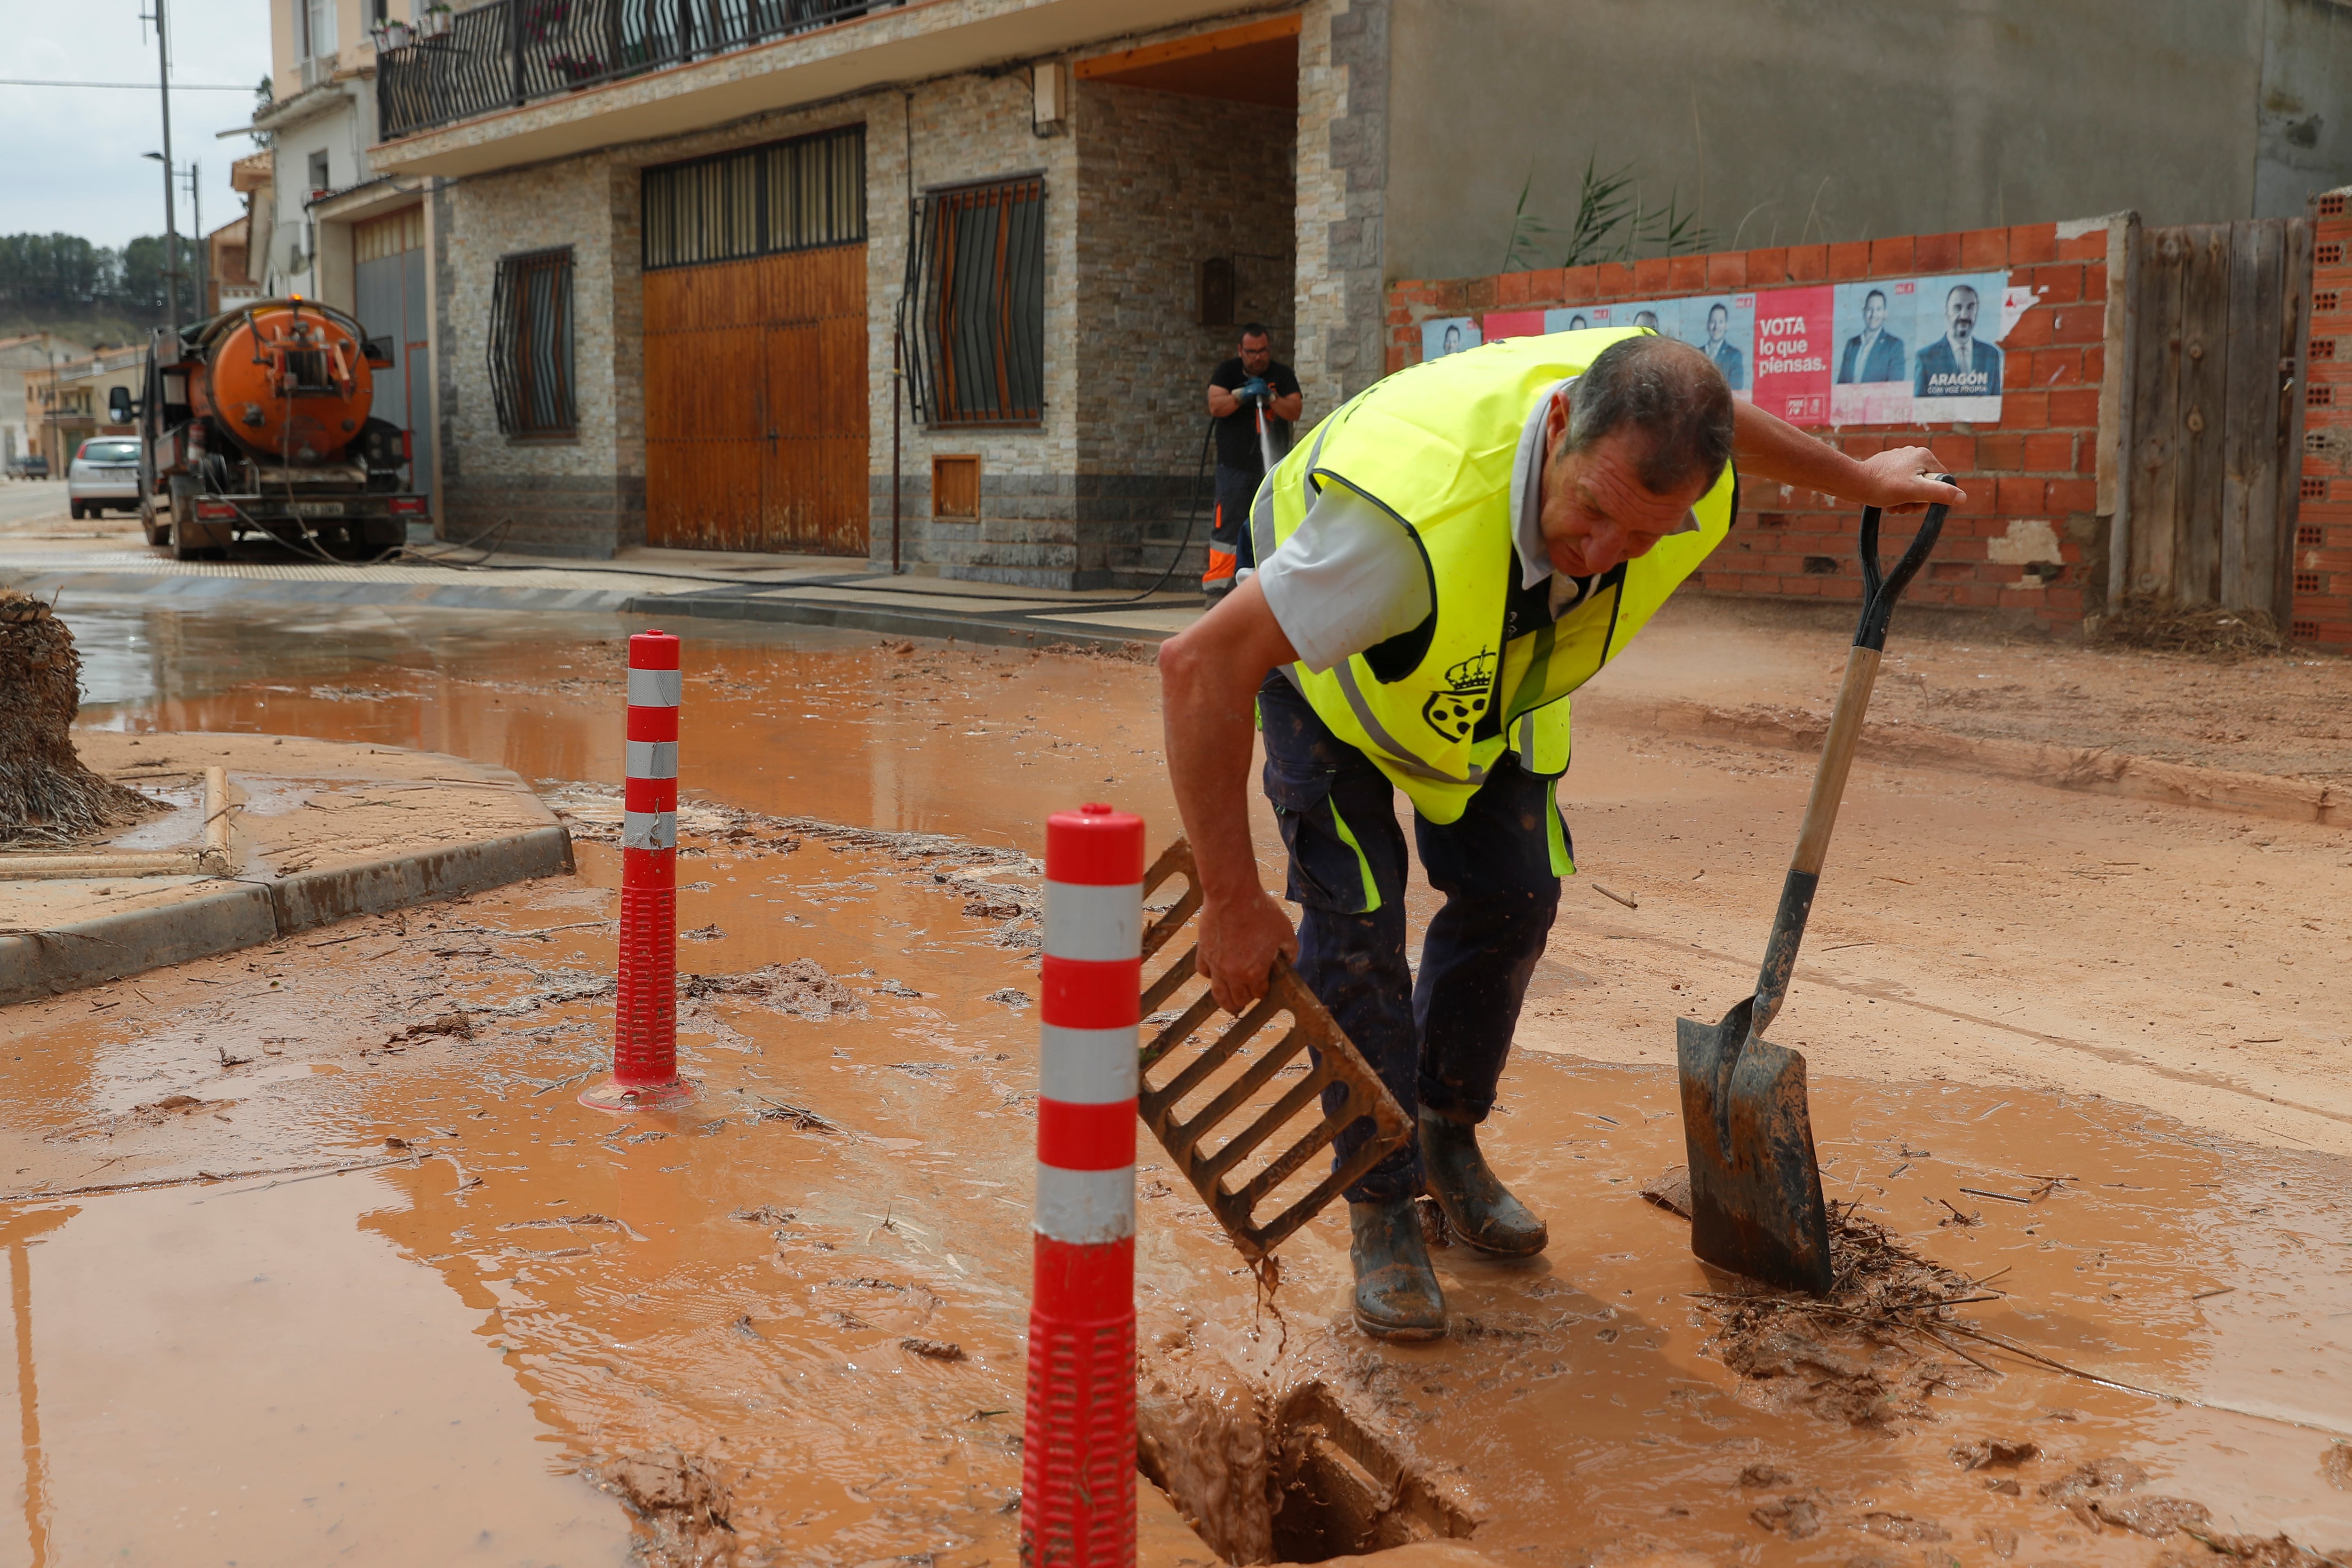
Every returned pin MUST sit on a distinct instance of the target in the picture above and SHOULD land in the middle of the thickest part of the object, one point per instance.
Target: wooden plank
(2250, 422)
(2156, 414)
(2126, 245)
(2204, 391)
(2294, 365)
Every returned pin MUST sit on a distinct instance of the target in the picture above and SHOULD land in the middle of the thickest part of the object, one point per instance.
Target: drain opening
(1307, 1483)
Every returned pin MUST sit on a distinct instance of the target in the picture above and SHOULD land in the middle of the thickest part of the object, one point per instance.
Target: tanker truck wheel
(191, 541)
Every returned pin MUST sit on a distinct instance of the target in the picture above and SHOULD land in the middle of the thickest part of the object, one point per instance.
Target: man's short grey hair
(1670, 396)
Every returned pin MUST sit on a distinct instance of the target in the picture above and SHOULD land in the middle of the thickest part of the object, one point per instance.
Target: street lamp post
(170, 218)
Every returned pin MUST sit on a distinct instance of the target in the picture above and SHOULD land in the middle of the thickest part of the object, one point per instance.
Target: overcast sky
(71, 162)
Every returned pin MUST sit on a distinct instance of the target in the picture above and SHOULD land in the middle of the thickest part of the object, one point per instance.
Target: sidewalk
(815, 590)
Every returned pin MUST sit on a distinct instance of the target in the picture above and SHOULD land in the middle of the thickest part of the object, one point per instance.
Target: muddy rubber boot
(1397, 1296)
(1481, 1210)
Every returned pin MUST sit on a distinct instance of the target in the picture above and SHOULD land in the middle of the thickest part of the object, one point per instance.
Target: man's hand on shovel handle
(1904, 480)
(1208, 676)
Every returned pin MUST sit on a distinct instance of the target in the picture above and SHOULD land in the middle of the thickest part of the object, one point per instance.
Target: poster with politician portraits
(1899, 350)
(1720, 326)
(1444, 335)
(1921, 350)
(1723, 328)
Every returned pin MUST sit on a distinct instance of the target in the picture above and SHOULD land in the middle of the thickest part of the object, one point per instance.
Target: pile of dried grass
(48, 799)
(2208, 630)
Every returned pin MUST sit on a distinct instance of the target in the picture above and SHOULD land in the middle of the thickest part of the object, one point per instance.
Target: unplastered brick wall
(2323, 543)
(2029, 539)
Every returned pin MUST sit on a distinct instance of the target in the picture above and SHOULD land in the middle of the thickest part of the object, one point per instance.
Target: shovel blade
(1755, 1186)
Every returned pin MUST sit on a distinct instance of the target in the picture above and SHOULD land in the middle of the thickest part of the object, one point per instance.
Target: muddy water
(531, 1288)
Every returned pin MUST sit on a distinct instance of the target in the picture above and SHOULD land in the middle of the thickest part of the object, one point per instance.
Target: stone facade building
(941, 281)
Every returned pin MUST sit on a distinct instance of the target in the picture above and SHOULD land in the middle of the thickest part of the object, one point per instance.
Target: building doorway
(755, 337)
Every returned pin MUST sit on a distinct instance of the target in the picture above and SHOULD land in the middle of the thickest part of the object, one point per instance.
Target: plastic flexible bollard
(1077, 1467)
(644, 1021)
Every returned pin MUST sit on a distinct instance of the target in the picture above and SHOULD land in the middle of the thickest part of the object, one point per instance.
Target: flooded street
(314, 1257)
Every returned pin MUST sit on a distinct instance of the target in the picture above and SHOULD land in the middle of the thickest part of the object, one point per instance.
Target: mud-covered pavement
(2082, 1054)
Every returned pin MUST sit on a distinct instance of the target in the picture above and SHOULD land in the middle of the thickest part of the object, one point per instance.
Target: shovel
(1755, 1186)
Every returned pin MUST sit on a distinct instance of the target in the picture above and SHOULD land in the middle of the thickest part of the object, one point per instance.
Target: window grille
(972, 321)
(531, 343)
(758, 201)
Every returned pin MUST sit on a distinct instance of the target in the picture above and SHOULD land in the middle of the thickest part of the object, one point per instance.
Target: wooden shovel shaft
(1837, 760)
(1814, 837)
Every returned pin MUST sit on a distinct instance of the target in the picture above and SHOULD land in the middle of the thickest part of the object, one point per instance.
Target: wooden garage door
(755, 403)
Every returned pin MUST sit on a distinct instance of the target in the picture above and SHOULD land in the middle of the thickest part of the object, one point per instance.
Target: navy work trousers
(1439, 1041)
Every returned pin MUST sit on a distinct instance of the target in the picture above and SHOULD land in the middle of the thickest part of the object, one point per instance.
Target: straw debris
(2208, 630)
(1869, 1355)
(48, 799)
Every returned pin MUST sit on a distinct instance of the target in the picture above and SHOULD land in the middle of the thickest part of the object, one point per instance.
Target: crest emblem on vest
(1455, 712)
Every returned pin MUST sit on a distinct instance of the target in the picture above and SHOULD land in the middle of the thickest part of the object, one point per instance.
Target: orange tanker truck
(255, 423)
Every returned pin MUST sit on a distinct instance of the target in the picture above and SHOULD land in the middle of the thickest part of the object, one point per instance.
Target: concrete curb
(990, 630)
(2089, 770)
(246, 912)
(92, 952)
(314, 898)
(209, 592)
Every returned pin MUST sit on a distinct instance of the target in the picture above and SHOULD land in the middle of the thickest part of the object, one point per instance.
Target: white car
(105, 473)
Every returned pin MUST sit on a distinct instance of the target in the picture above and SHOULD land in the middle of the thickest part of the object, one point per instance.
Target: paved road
(34, 515)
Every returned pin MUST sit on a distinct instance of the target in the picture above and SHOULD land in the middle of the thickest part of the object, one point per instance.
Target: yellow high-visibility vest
(1434, 447)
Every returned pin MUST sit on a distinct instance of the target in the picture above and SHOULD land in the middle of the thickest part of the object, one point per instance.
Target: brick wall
(2029, 539)
(2323, 545)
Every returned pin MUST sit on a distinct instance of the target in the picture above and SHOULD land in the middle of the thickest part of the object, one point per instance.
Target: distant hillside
(64, 284)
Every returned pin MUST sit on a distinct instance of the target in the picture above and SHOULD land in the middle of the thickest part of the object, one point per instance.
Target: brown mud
(729, 1316)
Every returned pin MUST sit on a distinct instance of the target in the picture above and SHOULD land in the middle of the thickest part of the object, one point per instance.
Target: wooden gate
(755, 403)
(2217, 318)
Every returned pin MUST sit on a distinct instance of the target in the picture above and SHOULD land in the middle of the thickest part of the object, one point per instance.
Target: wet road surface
(416, 1360)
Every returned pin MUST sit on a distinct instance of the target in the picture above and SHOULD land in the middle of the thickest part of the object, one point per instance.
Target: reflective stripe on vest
(1434, 447)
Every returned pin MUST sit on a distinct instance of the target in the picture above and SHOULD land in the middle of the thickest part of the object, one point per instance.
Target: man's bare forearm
(1208, 676)
(1209, 706)
(1771, 448)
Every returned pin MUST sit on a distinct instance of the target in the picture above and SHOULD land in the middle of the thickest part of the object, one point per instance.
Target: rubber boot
(1480, 1208)
(1397, 1296)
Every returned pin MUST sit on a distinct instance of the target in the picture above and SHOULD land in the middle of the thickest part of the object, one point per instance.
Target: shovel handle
(1879, 592)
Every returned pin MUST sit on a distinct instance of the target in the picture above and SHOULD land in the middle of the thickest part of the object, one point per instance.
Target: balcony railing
(509, 53)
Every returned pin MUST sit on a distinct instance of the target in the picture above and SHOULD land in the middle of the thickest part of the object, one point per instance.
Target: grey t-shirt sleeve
(1350, 578)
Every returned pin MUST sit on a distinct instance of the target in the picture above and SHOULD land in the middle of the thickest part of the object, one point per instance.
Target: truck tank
(286, 380)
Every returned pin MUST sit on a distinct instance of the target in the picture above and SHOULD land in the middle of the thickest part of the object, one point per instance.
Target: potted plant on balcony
(432, 22)
(391, 36)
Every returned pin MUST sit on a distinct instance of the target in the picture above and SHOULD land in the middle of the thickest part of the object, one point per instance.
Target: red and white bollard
(1077, 1463)
(644, 1032)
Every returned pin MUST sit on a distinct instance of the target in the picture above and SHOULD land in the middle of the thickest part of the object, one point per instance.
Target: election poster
(1497, 326)
(1902, 351)
(1921, 350)
(1577, 318)
(1792, 353)
(1444, 335)
(1717, 325)
(1723, 328)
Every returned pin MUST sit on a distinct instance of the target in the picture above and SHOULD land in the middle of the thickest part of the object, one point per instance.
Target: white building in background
(324, 223)
(33, 352)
